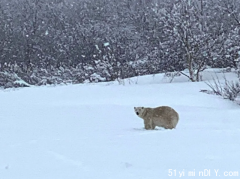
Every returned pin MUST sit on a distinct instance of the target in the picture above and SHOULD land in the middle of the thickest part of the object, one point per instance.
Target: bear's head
(138, 110)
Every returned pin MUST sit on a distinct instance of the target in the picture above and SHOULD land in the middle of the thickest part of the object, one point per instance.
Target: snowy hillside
(90, 131)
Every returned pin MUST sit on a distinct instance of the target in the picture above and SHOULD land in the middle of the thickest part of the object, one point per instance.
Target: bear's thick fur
(163, 116)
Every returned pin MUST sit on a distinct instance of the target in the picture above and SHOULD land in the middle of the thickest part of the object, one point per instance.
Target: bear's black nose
(137, 113)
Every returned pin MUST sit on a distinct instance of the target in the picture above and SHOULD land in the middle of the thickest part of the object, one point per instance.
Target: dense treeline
(61, 41)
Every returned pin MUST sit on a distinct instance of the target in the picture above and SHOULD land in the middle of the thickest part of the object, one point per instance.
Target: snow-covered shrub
(228, 89)
(171, 75)
(11, 80)
(238, 69)
(231, 90)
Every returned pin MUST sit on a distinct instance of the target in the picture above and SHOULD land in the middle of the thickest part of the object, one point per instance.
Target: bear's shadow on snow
(156, 129)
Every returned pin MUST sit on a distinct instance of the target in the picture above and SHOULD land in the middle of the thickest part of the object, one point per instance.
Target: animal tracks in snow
(65, 159)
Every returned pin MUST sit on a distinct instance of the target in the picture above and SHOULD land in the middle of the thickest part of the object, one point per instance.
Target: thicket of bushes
(63, 41)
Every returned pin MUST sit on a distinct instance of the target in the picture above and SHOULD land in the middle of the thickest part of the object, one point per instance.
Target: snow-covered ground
(90, 131)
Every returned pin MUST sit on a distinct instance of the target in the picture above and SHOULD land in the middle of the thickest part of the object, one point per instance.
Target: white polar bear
(163, 116)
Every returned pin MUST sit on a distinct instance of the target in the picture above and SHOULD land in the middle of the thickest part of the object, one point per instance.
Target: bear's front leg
(147, 126)
(152, 125)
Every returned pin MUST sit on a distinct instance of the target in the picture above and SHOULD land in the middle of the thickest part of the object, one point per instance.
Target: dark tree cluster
(67, 41)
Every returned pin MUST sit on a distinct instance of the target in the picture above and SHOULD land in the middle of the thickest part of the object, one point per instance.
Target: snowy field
(90, 131)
